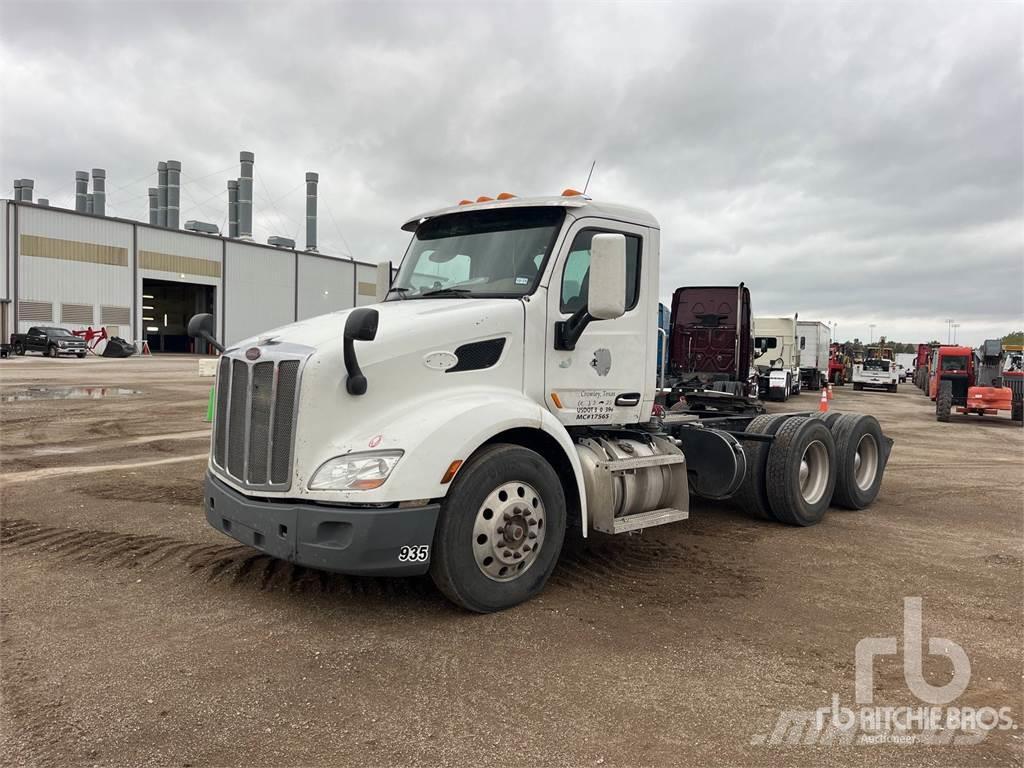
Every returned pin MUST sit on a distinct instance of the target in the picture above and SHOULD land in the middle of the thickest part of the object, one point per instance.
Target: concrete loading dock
(173, 645)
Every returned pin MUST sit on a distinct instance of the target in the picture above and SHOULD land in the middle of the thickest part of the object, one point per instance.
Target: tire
(1017, 411)
(830, 419)
(944, 401)
(457, 564)
(80, 355)
(857, 386)
(861, 456)
(19, 349)
(752, 496)
(796, 498)
(51, 351)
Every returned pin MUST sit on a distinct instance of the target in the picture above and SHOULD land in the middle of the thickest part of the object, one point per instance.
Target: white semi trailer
(815, 339)
(777, 357)
(500, 392)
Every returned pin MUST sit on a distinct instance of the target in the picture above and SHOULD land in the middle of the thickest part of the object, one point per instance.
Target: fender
(433, 432)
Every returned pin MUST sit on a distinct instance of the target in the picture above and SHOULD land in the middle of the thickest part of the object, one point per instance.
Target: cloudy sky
(857, 162)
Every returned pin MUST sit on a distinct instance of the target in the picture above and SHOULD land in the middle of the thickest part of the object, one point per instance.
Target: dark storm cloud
(859, 163)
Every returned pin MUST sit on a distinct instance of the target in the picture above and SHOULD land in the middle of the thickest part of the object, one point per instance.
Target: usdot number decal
(417, 554)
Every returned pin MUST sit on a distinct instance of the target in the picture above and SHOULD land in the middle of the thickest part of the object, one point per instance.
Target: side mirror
(201, 327)
(361, 325)
(383, 279)
(606, 297)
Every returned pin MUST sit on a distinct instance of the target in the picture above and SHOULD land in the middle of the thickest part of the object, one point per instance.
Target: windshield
(954, 363)
(876, 365)
(765, 343)
(61, 332)
(480, 253)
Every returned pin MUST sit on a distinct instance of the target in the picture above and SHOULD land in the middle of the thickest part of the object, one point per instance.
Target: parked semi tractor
(877, 370)
(711, 348)
(815, 341)
(777, 357)
(500, 392)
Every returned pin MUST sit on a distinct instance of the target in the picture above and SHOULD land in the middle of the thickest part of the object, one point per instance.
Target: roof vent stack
(173, 193)
(232, 207)
(99, 191)
(311, 183)
(89, 203)
(161, 194)
(154, 205)
(26, 190)
(245, 196)
(81, 190)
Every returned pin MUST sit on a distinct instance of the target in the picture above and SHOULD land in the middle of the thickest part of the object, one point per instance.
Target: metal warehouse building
(143, 281)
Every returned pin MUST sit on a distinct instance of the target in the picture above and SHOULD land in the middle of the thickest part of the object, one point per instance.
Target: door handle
(628, 399)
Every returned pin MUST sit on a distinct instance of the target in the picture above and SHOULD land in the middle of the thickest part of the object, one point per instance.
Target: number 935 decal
(417, 554)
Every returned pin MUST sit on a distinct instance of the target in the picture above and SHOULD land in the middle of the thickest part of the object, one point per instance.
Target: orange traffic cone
(830, 390)
(823, 403)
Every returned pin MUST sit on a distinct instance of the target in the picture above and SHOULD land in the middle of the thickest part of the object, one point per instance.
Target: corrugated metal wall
(325, 285)
(260, 290)
(69, 259)
(73, 263)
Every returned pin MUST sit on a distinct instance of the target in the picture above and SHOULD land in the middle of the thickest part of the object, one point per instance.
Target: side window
(577, 270)
(803, 342)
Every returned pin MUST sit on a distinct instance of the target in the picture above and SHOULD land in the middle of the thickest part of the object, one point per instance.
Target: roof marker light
(485, 199)
(465, 202)
(506, 196)
(570, 192)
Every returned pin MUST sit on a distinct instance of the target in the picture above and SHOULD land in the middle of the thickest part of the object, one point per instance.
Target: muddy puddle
(67, 393)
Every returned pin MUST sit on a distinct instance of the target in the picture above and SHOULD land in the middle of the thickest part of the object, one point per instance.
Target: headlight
(355, 471)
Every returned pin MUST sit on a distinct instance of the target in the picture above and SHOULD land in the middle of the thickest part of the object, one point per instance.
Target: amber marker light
(555, 400)
(450, 472)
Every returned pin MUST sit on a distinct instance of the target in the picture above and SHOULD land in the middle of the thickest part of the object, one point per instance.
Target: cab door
(609, 377)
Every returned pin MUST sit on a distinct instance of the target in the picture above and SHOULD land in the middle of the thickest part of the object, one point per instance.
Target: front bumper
(352, 540)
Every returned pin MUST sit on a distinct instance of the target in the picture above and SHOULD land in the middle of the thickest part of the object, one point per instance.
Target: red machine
(92, 337)
(839, 364)
(924, 354)
(971, 382)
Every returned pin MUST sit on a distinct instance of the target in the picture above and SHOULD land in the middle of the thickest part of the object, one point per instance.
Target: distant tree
(1017, 337)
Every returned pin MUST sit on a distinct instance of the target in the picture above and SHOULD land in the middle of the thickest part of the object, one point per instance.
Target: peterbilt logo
(253, 353)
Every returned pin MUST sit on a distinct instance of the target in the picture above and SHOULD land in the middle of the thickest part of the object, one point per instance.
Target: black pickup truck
(50, 341)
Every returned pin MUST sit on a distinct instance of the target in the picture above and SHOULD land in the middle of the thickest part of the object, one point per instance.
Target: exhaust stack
(173, 193)
(154, 213)
(311, 183)
(245, 196)
(161, 194)
(99, 191)
(232, 208)
(81, 190)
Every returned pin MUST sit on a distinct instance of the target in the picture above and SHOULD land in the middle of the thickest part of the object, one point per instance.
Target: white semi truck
(776, 357)
(500, 392)
(815, 339)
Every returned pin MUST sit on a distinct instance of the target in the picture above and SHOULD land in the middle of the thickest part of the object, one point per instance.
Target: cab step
(648, 519)
(640, 462)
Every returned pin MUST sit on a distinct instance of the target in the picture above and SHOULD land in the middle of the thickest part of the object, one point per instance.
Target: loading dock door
(167, 307)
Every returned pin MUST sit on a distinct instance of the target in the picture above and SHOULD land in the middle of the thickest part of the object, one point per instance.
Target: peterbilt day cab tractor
(711, 349)
(877, 370)
(500, 392)
(776, 357)
(972, 382)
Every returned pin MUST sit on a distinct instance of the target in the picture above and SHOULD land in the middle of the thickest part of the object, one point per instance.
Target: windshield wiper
(401, 291)
(447, 292)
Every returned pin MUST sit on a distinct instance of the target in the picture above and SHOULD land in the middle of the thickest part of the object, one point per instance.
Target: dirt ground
(134, 634)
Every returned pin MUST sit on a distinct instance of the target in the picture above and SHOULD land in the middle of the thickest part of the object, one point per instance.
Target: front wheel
(51, 351)
(500, 530)
(944, 401)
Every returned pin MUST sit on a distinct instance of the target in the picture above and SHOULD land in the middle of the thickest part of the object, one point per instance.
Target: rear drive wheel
(944, 401)
(752, 497)
(500, 530)
(860, 460)
(801, 473)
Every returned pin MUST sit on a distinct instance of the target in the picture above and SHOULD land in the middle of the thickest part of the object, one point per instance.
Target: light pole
(955, 326)
(949, 330)
(872, 327)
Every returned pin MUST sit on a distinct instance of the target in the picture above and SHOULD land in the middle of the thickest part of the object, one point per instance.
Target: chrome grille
(254, 424)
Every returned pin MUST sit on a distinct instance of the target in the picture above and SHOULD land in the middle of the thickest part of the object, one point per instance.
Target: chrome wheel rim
(865, 462)
(508, 532)
(814, 472)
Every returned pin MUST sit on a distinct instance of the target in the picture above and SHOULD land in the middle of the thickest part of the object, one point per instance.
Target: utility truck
(500, 392)
(776, 357)
(815, 341)
(877, 370)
